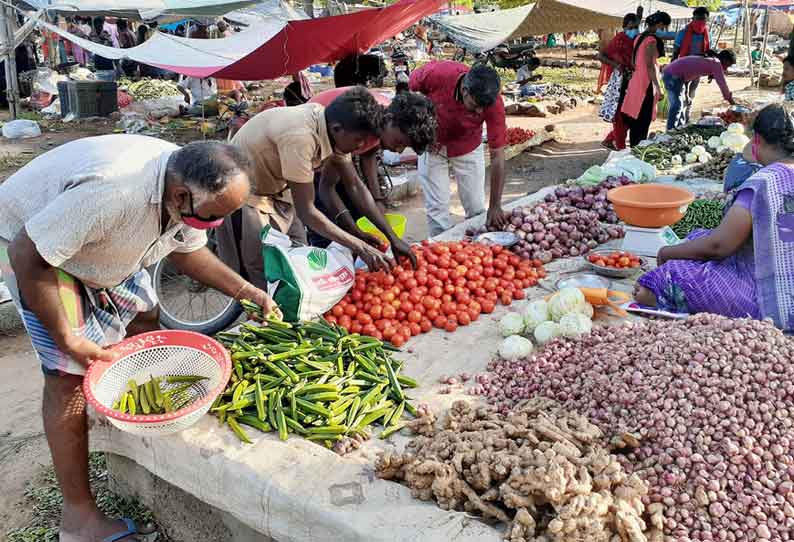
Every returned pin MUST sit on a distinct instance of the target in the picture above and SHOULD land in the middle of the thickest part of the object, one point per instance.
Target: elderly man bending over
(78, 225)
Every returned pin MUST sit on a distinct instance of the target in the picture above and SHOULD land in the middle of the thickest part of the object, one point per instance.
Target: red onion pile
(712, 402)
(568, 223)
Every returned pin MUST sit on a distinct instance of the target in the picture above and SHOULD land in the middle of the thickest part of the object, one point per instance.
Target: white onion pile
(570, 222)
(712, 402)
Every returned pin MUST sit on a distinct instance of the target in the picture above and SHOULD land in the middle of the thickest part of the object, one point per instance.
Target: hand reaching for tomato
(451, 285)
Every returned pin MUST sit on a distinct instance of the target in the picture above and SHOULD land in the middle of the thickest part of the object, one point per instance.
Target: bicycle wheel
(186, 304)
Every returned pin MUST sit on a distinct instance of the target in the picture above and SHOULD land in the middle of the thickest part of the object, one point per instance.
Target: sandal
(131, 530)
(608, 145)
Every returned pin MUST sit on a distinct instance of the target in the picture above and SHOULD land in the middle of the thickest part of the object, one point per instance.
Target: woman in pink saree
(644, 90)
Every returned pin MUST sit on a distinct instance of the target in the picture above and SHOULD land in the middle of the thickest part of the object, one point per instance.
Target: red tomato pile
(453, 284)
(617, 259)
(516, 135)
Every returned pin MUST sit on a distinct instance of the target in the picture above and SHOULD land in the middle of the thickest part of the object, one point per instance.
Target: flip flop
(131, 530)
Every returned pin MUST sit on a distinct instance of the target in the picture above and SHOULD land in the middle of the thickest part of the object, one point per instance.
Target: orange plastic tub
(650, 205)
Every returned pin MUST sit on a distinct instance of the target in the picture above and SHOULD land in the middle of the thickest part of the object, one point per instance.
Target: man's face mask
(197, 222)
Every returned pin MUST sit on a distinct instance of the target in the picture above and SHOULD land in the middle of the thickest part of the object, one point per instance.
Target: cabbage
(535, 314)
(515, 347)
(546, 332)
(735, 142)
(565, 301)
(714, 142)
(703, 158)
(734, 128)
(697, 150)
(587, 310)
(511, 323)
(676, 160)
(575, 324)
(691, 158)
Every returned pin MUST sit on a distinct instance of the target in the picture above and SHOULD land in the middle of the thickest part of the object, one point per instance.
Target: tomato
(440, 322)
(405, 331)
(446, 298)
(518, 294)
(388, 333)
(448, 308)
(369, 329)
(415, 328)
(432, 314)
(381, 324)
(345, 322)
(450, 326)
(473, 314)
(397, 340)
(479, 291)
(488, 306)
(351, 310)
(406, 306)
(425, 325)
(506, 298)
(414, 316)
(488, 272)
(376, 311)
(462, 270)
(464, 318)
(356, 327)
(463, 298)
(389, 311)
(415, 297)
(338, 310)
(378, 335)
(400, 316)
(421, 278)
(331, 319)
(356, 295)
(363, 318)
(624, 261)
(436, 291)
(387, 297)
(514, 260)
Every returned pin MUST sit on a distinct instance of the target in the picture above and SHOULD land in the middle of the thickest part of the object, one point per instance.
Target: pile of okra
(312, 379)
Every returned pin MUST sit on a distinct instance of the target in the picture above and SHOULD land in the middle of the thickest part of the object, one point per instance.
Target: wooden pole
(739, 22)
(9, 62)
(763, 48)
(748, 36)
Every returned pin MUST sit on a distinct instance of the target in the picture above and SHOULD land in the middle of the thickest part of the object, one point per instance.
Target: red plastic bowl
(650, 205)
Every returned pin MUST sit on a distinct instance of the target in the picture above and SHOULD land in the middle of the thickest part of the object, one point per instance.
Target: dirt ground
(23, 450)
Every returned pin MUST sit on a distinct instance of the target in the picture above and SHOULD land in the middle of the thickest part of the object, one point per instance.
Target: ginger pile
(541, 470)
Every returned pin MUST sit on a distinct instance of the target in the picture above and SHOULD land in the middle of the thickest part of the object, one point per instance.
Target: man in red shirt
(409, 121)
(464, 99)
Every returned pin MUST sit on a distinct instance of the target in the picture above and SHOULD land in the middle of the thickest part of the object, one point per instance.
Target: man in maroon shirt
(464, 99)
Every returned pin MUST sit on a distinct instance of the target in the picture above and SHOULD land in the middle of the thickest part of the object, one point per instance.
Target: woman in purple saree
(745, 267)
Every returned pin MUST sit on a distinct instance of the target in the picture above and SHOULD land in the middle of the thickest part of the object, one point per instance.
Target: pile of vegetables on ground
(701, 410)
(453, 284)
(715, 166)
(516, 136)
(701, 214)
(312, 379)
(566, 313)
(679, 147)
(542, 470)
(567, 223)
(629, 167)
(149, 89)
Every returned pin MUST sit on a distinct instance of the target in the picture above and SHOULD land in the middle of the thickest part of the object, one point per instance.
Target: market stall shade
(149, 9)
(479, 32)
(272, 47)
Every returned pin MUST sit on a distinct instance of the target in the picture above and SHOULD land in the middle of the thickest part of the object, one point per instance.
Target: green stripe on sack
(278, 269)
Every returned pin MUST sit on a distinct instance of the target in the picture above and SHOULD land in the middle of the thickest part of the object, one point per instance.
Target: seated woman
(745, 267)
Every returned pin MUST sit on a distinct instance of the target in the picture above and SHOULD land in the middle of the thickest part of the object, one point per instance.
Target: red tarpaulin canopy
(303, 43)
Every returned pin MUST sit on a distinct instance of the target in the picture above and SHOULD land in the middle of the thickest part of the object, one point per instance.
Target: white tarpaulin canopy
(482, 31)
(149, 9)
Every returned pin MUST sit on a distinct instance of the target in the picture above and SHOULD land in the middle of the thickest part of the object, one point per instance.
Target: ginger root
(542, 470)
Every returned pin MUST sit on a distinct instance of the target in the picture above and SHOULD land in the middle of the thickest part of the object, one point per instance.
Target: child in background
(788, 78)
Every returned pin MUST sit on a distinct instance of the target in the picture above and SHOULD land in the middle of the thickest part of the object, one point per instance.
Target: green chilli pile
(312, 379)
(159, 395)
(701, 214)
(150, 89)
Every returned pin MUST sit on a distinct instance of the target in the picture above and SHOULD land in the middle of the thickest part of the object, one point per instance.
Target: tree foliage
(712, 5)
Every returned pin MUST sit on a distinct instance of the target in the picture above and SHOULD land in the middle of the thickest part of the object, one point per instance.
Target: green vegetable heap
(683, 140)
(701, 214)
(150, 89)
(313, 379)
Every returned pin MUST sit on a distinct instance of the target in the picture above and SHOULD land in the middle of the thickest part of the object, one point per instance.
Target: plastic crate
(88, 98)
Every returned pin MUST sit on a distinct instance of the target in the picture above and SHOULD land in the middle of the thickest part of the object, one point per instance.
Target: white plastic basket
(159, 353)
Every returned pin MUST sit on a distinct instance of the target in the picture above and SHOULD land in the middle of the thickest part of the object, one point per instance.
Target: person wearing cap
(464, 99)
(693, 40)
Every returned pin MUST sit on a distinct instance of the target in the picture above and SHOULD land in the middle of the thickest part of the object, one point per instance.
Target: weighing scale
(648, 241)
